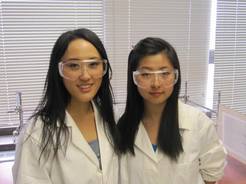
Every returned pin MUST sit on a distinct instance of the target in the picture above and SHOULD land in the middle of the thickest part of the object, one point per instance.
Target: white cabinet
(232, 129)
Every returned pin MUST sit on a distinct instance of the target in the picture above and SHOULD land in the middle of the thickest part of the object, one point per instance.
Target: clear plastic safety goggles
(73, 69)
(147, 78)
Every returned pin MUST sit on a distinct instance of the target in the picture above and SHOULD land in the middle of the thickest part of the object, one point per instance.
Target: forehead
(80, 49)
(154, 62)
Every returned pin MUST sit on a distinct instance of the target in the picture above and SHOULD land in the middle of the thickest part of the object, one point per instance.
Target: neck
(79, 108)
(83, 115)
(151, 120)
(153, 112)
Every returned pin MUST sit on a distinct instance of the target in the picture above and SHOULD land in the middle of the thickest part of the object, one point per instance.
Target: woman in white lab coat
(72, 137)
(163, 139)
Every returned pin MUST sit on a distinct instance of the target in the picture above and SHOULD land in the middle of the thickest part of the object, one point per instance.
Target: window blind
(28, 32)
(230, 54)
(118, 45)
(185, 24)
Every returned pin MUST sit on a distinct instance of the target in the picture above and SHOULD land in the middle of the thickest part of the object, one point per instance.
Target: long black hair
(169, 138)
(52, 108)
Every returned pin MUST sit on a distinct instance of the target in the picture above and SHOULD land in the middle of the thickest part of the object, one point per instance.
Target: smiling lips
(85, 87)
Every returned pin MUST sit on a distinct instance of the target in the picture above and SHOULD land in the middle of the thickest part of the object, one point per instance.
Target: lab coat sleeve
(213, 153)
(27, 169)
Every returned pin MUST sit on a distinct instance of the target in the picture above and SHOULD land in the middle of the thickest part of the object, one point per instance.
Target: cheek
(169, 91)
(97, 84)
(143, 93)
(68, 85)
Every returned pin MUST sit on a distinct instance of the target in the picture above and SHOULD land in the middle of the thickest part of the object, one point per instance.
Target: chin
(86, 97)
(158, 103)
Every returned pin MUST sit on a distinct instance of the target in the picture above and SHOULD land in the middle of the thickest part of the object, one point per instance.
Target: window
(28, 32)
(29, 29)
(185, 24)
(230, 54)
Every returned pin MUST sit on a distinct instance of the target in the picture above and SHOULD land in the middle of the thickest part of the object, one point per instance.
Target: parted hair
(169, 138)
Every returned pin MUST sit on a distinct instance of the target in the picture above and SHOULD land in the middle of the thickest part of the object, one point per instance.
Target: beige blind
(230, 54)
(184, 23)
(117, 30)
(28, 32)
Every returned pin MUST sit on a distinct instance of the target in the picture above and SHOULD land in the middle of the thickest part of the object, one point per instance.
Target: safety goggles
(146, 78)
(73, 69)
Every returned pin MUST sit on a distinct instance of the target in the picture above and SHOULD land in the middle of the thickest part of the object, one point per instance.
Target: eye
(165, 73)
(94, 64)
(145, 75)
(73, 65)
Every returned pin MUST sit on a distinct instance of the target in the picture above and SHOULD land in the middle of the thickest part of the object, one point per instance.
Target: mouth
(85, 87)
(156, 94)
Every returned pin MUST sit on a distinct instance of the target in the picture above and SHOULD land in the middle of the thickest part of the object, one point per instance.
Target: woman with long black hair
(163, 139)
(72, 136)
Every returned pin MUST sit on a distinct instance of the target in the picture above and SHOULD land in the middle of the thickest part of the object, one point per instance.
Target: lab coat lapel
(79, 141)
(143, 143)
(104, 145)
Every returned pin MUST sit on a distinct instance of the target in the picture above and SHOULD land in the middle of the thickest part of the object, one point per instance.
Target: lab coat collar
(78, 139)
(184, 117)
(68, 116)
(143, 143)
(142, 139)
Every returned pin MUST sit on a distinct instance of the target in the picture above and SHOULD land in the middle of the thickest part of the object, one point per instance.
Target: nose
(156, 81)
(84, 75)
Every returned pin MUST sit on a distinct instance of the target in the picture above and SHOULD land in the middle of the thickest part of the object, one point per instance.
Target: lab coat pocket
(187, 173)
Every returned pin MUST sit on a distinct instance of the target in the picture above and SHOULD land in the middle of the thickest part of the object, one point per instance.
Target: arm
(27, 168)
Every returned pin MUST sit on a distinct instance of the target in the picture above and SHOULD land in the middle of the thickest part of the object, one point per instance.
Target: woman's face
(155, 79)
(85, 83)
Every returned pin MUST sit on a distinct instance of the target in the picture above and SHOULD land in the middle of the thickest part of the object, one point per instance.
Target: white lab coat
(203, 157)
(78, 165)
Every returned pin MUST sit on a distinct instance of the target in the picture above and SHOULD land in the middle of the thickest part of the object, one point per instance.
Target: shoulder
(187, 109)
(193, 118)
(32, 130)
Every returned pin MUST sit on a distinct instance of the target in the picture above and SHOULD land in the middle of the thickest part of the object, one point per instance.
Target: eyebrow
(148, 68)
(77, 59)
